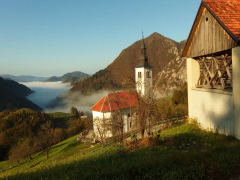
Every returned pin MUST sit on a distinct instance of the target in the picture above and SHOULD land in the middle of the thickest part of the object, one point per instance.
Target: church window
(148, 74)
(130, 124)
(139, 74)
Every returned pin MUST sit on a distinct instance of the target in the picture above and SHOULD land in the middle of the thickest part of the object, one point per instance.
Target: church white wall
(142, 84)
(99, 117)
(139, 81)
(148, 81)
(98, 122)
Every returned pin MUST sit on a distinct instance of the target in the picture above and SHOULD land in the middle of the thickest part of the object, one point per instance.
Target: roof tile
(116, 101)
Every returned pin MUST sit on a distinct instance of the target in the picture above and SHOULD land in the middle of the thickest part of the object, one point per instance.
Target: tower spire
(143, 72)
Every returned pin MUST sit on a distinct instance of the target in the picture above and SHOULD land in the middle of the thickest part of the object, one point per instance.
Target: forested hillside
(13, 95)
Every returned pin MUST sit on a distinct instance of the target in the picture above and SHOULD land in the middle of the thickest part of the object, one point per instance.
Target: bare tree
(45, 138)
(146, 110)
(103, 127)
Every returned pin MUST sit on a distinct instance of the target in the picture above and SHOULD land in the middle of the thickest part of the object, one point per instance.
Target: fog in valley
(47, 96)
(45, 91)
(81, 102)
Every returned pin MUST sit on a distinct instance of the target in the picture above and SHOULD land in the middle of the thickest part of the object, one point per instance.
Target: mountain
(66, 76)
(24, 78)
(72, 80)
(13, 95)
(173, 76)
(160, 51)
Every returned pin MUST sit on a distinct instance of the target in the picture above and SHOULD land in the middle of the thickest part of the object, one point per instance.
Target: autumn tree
(45, 138)
(22, 151)
(74, 111)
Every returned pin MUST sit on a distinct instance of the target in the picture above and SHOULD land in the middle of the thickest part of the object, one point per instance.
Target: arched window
(139, 74)
(148, 74)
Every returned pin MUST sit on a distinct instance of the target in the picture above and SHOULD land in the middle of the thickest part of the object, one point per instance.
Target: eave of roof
(218, 20)
(143, 64)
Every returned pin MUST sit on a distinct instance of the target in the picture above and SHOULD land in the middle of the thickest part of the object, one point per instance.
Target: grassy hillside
(20, 111)
(63, 120)
(183, 152)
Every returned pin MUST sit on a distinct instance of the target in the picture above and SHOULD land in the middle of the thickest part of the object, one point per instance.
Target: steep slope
(77, 74)
(173, 76)
(13, 95)
(23, 78)
(160, 51)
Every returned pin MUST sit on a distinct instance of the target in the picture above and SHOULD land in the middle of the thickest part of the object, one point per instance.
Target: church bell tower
(143, 73)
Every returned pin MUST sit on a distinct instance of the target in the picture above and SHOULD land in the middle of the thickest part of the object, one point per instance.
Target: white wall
(213, 110)
(141, 83)
(98, 118)
(236, 88)
(193, 74)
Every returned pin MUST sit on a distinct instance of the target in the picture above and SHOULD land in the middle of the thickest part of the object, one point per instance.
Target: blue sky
(53, 37)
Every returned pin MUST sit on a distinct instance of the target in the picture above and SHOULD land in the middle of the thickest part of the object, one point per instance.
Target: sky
(53, 37)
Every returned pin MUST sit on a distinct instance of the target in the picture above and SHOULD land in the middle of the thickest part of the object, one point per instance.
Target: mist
(81, 102)
(44, 92)
(53, 97)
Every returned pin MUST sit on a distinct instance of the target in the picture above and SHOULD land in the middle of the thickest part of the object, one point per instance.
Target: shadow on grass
(218, 161)
(56, 146)
(60, 122)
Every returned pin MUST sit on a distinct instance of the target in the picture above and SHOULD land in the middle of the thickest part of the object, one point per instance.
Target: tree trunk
(122, 134)
(18, 163)
(142, 133)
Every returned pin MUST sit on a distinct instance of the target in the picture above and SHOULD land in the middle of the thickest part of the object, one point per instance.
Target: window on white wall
(139, 74)
(148, 74)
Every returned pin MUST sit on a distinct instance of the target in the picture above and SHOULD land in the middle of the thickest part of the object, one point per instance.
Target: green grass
(63, 120)
(184, 152)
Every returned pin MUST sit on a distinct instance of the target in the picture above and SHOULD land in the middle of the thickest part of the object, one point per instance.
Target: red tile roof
(116, 101)
(228, 11)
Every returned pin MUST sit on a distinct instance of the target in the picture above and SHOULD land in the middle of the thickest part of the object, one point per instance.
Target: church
(120, 105)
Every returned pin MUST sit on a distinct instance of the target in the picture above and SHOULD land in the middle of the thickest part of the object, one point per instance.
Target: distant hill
(72, 80)
(77, 74)
(160, 51)
(24, 78)
(13, 95)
